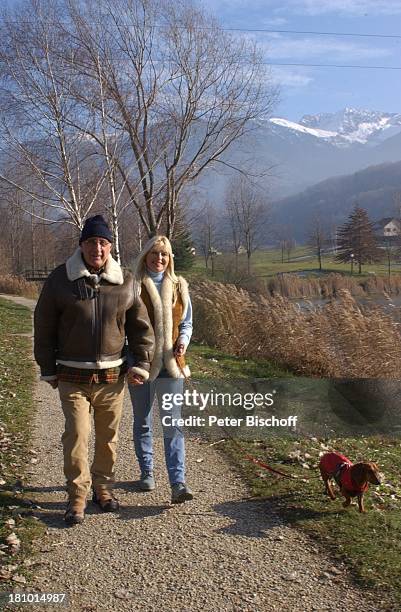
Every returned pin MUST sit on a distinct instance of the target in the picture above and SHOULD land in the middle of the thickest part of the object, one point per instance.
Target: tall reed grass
(339, 340)
(15, 285)
(292, 285)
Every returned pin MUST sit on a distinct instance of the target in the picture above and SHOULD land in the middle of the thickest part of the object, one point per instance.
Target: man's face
(95, 252)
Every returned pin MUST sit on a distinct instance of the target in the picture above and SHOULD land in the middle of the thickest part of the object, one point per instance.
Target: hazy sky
(306, 89)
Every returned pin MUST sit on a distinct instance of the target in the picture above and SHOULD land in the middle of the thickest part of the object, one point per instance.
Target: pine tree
(356, 240)
(183, 247)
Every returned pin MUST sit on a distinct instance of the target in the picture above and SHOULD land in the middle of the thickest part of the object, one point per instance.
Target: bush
(15, 285)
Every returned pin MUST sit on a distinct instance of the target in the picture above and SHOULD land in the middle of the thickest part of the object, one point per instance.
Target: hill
(375, 188)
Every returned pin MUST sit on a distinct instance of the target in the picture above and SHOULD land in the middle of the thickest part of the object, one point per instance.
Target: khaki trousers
(77, 399)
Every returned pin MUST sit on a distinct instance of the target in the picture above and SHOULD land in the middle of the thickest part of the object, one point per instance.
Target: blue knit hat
(96, 227)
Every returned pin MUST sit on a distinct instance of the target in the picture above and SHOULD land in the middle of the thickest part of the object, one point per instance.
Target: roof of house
(381, 223)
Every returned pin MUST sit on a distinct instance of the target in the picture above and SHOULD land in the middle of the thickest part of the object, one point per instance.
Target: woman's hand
(179, 350)
(134, 378)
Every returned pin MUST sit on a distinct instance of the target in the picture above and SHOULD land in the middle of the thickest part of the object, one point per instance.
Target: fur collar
(76, 268)
(163, 324)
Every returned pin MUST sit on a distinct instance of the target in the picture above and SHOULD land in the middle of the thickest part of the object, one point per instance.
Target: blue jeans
(142, 397)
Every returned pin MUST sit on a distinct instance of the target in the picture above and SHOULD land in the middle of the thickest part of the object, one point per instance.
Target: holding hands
(134, 378)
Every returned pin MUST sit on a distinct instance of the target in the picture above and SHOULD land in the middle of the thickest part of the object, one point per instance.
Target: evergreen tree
(183, 247)
(356, 240)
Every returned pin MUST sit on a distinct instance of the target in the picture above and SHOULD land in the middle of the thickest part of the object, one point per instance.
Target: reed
(339, 340)
(295, 286)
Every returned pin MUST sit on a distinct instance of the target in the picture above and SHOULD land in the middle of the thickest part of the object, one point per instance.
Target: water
(390, 305)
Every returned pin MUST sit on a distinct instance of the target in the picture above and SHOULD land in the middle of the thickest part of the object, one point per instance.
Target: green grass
(267, 263)
(16, 409)
(206, 363)
(370, 543)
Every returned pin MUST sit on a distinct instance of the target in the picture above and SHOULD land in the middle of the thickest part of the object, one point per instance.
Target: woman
(169, 307)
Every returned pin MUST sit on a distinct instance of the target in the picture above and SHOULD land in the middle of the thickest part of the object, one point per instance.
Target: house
(388, 227)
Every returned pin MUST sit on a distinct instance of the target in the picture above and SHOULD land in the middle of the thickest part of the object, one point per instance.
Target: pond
(391, 305)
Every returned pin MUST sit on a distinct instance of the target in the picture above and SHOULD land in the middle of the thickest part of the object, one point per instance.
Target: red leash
(244, 452)
(258, 461)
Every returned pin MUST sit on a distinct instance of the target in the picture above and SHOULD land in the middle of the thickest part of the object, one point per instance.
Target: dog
(353, 479)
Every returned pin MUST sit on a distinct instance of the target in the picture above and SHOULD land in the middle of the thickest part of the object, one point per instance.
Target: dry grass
(292, 285)
(15, 285)
(339, 340)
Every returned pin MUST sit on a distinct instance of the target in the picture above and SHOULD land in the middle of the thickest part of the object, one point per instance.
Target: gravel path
(221, 551)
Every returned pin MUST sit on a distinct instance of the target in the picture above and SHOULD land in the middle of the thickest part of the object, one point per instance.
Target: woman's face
(157, 259)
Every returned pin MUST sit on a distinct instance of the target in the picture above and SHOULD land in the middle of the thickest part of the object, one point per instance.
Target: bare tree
(233, 214)
(248, 213)
(55, 164)
(206, 235)
(282, 235)
(113, 103)
(317, 239)
(289, 246)
(179, 93)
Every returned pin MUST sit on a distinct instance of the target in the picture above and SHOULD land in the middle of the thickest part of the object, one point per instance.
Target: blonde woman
(169, 307)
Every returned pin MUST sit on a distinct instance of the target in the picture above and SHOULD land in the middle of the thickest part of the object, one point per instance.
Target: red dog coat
(339, 467)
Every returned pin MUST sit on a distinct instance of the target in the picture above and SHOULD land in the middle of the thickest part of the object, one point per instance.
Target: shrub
(15, 285)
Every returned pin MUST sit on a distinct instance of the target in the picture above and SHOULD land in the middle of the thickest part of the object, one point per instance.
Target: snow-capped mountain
(295, 155)
(346, 127)
(298, 127)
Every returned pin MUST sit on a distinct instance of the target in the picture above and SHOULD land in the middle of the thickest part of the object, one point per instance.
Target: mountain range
(349, 126)
(325, 145)
(323, 162)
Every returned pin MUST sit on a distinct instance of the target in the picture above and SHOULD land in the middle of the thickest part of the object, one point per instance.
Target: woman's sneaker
(180, 493)
(147, 481)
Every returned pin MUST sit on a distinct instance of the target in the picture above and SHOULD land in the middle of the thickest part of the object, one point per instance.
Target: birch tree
(49, 163)
(179, 93)
(116, 103)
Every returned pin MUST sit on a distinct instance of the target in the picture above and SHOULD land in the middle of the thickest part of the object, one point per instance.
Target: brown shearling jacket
(82, 320)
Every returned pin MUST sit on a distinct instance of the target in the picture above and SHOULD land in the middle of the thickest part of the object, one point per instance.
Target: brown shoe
(75, 513)
(105, 499)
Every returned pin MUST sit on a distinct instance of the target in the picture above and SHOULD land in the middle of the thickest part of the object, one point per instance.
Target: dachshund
(353, 479)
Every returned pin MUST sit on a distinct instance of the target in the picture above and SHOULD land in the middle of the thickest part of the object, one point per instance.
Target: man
(88, 306)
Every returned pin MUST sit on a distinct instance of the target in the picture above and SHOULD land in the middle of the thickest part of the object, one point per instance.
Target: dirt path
(218, 552)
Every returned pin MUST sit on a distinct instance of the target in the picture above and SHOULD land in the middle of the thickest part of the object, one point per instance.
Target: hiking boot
(147, 481)
(105, 500)
(180, 493)
(75, 513)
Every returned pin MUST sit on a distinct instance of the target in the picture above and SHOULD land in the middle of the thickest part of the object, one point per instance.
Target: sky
(312, 90)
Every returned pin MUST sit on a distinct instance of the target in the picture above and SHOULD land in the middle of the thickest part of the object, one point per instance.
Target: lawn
(209, 363)
(370, 544)
(268, 263)
(16, 409)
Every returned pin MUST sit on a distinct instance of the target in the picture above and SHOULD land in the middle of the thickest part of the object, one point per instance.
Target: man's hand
(53, 383)
(179, 350)
(134, 378)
